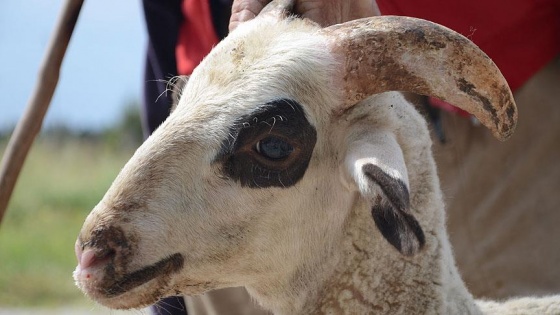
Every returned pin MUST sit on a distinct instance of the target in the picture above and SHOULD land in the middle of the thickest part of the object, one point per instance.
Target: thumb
(244, 10)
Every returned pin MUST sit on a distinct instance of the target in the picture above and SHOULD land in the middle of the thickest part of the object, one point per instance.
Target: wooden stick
(30, 124)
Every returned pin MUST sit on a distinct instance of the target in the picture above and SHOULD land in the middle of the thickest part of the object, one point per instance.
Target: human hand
(324, 12)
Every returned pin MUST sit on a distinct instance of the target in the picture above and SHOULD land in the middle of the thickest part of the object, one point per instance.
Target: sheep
(290, 168)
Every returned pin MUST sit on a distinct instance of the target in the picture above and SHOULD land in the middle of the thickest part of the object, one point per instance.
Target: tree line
(125, 133)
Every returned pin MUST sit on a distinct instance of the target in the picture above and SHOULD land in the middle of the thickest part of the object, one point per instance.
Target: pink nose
(98, 249)
(85, 258)
(89, 259)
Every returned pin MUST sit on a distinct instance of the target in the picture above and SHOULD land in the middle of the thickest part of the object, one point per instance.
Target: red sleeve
(521, 36)
(196, 35)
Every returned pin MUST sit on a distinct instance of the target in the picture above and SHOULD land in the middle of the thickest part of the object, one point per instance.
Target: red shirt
(197, 35)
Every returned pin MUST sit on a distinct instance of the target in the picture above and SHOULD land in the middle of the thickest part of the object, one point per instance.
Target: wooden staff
(30, 123)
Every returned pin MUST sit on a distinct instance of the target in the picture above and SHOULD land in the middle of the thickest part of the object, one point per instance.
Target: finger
(329, 12)
(315, 10)
(244, 10)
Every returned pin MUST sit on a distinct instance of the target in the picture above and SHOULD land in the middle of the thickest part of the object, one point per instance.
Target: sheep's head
(256, 169)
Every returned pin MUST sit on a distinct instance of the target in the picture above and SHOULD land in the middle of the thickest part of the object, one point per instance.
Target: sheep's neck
(367, 275)
(372, 276)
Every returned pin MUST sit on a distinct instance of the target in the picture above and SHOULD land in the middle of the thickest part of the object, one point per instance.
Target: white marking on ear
(377, 147)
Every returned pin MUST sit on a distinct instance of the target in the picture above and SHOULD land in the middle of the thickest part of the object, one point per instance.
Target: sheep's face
(219, 195)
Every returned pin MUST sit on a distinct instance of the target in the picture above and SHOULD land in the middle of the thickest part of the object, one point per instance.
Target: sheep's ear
(376, 164)
(176, 85)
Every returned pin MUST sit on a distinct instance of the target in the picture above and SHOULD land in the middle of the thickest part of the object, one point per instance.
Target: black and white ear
(375, 162)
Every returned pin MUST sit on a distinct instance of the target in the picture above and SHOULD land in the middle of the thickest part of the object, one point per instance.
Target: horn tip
(506, 126)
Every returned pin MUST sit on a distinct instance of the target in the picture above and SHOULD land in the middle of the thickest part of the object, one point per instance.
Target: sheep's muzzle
(104, 272)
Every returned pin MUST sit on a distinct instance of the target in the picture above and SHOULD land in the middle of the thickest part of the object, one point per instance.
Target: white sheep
(278, 172)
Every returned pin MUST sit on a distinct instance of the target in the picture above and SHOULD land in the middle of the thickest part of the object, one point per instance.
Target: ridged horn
(390, 53)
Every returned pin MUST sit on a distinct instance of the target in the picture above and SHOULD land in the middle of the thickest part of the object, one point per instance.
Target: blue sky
(102, 70)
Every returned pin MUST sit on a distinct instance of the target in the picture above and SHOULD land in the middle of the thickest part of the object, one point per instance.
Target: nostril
(91, 258)
(97, 251)
(91, 262)
(87, 259)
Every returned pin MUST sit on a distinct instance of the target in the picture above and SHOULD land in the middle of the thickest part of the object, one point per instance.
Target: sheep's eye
(270, 147)
(274, 148)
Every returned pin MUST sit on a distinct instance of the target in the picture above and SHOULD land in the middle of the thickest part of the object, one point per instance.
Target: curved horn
(390, 53)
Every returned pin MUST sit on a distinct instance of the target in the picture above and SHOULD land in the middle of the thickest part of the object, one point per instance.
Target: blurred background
(91, 129)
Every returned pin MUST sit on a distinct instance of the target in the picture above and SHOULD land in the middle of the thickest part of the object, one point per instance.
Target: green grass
(59, 185)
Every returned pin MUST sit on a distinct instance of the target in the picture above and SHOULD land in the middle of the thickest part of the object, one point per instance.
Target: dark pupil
(274, 148)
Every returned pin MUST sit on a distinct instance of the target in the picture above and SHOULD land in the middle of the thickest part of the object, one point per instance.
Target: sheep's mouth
(115, 286)
(112, 288)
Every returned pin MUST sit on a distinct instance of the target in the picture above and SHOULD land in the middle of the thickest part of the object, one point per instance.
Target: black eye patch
(270, 147)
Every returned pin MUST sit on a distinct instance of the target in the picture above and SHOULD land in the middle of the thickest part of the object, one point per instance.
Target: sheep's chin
(136, 289)
(139, 297)
(144, 295)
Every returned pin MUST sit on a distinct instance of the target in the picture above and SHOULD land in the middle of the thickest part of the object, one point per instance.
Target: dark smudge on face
(284, 121)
